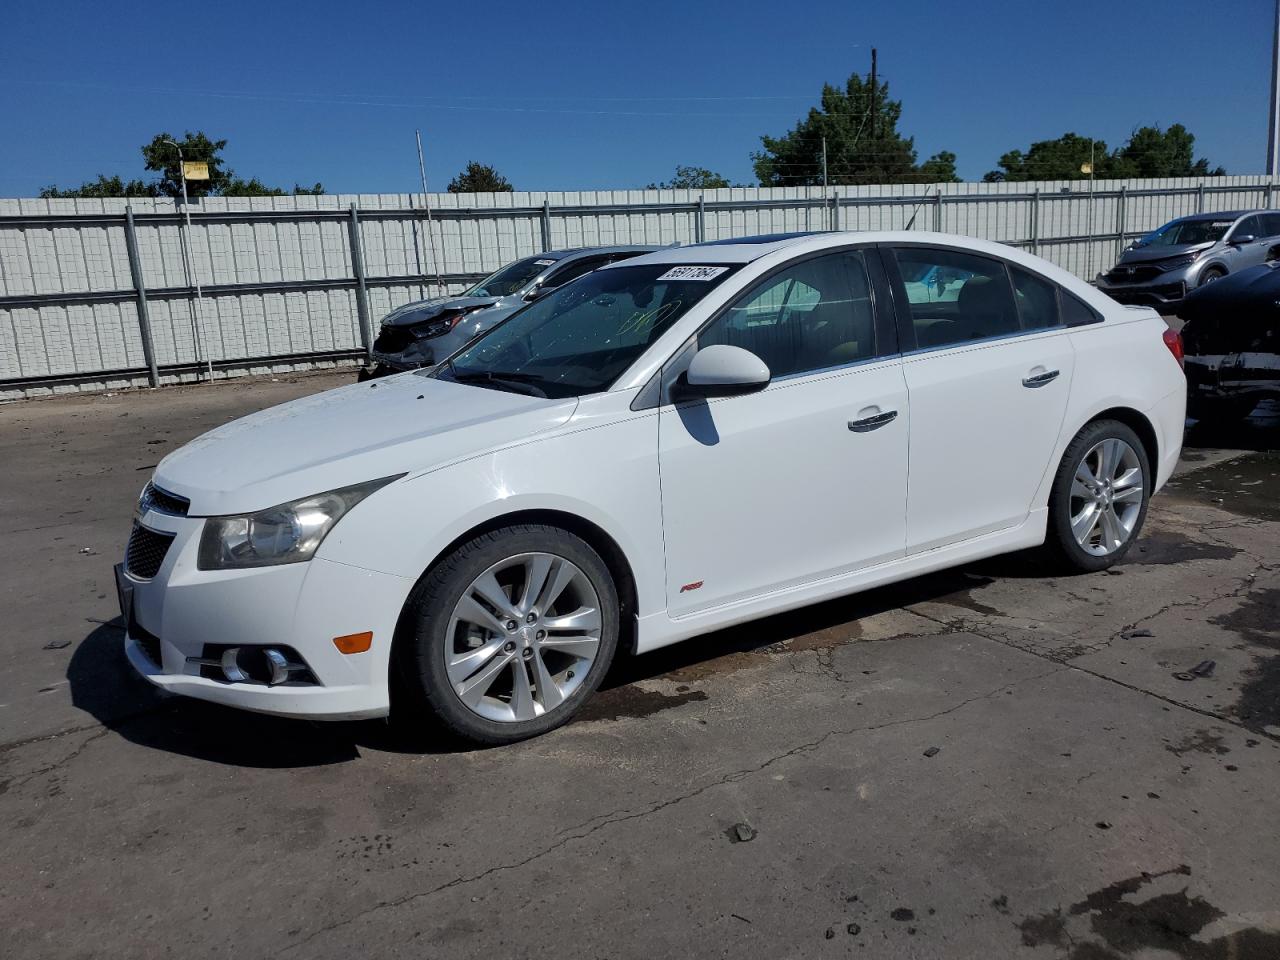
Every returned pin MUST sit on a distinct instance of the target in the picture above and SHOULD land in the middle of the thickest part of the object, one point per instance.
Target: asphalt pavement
(989, 762)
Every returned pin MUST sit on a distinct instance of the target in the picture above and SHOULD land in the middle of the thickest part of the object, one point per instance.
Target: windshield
(582, 337)
(1182, 232)
(510, 279)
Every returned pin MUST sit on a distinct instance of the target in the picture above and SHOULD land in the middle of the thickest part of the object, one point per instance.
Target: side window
(1075, 312)
(1271, 224)
(814, 315)
(955, 297)
(1037, 299)
(572, 271)
(1249, 227)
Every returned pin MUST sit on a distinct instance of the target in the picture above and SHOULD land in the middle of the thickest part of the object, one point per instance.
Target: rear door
(805, 479)
(988, 368)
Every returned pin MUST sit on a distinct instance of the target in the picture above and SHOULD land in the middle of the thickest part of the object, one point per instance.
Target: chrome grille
(145, 552)
(153, 498)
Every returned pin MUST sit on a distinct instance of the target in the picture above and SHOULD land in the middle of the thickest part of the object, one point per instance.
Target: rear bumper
(1230, 376)
(1169, 416)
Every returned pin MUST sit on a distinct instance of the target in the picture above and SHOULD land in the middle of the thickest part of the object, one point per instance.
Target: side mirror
(537, 293)
(1241, 240)
(724, 371)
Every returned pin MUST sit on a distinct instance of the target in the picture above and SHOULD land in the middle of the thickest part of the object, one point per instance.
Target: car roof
(595, 251)
(1221, 215)
(733, 250)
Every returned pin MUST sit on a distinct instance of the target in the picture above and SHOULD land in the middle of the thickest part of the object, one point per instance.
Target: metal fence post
(144, 317)
(835, 212)
(1270, 203)
(937, 211)
(362, 292)
(702, 218)
(546, 225)
(1035, 221)
(1200, 198)
(1122, 218)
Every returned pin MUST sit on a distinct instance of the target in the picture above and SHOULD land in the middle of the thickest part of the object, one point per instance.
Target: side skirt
(660, 630)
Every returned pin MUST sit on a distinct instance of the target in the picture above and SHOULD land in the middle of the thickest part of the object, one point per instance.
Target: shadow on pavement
(104, 684)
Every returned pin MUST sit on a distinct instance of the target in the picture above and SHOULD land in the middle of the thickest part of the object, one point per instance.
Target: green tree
(1149, 152)
(940, 168)
(479, 178)
(161, 156)
(692, 178)
(1152, 152)
(860, 126)
(102, 187)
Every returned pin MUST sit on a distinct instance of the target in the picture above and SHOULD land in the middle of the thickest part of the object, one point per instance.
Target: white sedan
(683, 441)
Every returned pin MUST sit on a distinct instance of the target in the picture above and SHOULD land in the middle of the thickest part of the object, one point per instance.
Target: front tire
(1099, 497)
(508, 636)
(1211, 274)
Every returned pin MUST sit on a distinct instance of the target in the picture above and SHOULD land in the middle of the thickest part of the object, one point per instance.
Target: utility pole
(431, 243)
(872, 116)
(824, 159)
(1273, 125)
(188, 262)
(1089, 269)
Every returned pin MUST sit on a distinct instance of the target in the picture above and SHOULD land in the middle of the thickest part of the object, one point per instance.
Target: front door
(806, 479)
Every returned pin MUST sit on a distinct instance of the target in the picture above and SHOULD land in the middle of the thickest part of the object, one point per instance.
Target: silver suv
(1158, 270)
(424, 332)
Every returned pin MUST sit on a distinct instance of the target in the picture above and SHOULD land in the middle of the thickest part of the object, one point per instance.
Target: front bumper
(181, 612)
(418, 354)
(1163, 292)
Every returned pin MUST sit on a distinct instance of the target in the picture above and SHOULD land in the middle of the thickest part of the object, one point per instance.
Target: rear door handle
(1040, 379)
(867, 424)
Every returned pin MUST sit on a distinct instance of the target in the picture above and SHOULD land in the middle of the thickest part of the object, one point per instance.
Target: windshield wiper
(517, 382)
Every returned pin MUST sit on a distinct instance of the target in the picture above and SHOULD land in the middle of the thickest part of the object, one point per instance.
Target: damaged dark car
(1232, 342)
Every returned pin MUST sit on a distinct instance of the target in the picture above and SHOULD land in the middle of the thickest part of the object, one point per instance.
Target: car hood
(412, 314)
(401, 424)
(1149, 254)
(1245, 297)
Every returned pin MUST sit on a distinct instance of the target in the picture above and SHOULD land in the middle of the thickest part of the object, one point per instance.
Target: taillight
(1173, 340)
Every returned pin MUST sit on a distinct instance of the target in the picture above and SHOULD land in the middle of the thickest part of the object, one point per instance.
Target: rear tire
(508, 636)
(1099, 498)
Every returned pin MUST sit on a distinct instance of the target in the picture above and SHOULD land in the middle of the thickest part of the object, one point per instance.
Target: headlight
(1178, 262)
(289, 533)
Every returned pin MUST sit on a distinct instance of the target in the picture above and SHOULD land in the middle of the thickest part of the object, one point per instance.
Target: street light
(188, 264)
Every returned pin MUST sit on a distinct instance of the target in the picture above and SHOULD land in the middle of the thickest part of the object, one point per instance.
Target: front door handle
(1040, 379)
(867, 424)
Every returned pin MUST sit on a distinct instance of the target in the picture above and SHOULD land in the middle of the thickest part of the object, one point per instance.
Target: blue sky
(562, 96)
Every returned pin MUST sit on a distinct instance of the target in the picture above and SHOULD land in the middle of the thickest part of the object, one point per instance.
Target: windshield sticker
(1219, 224)
(692, 273)
(543, 263)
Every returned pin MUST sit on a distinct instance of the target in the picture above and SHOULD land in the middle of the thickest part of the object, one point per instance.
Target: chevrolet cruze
(668, 445)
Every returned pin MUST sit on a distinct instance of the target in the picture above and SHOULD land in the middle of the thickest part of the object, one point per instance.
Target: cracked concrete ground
(989, 762)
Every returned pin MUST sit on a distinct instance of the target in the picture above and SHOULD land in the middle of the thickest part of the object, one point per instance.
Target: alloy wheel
(1106, 497)
(522, 637)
